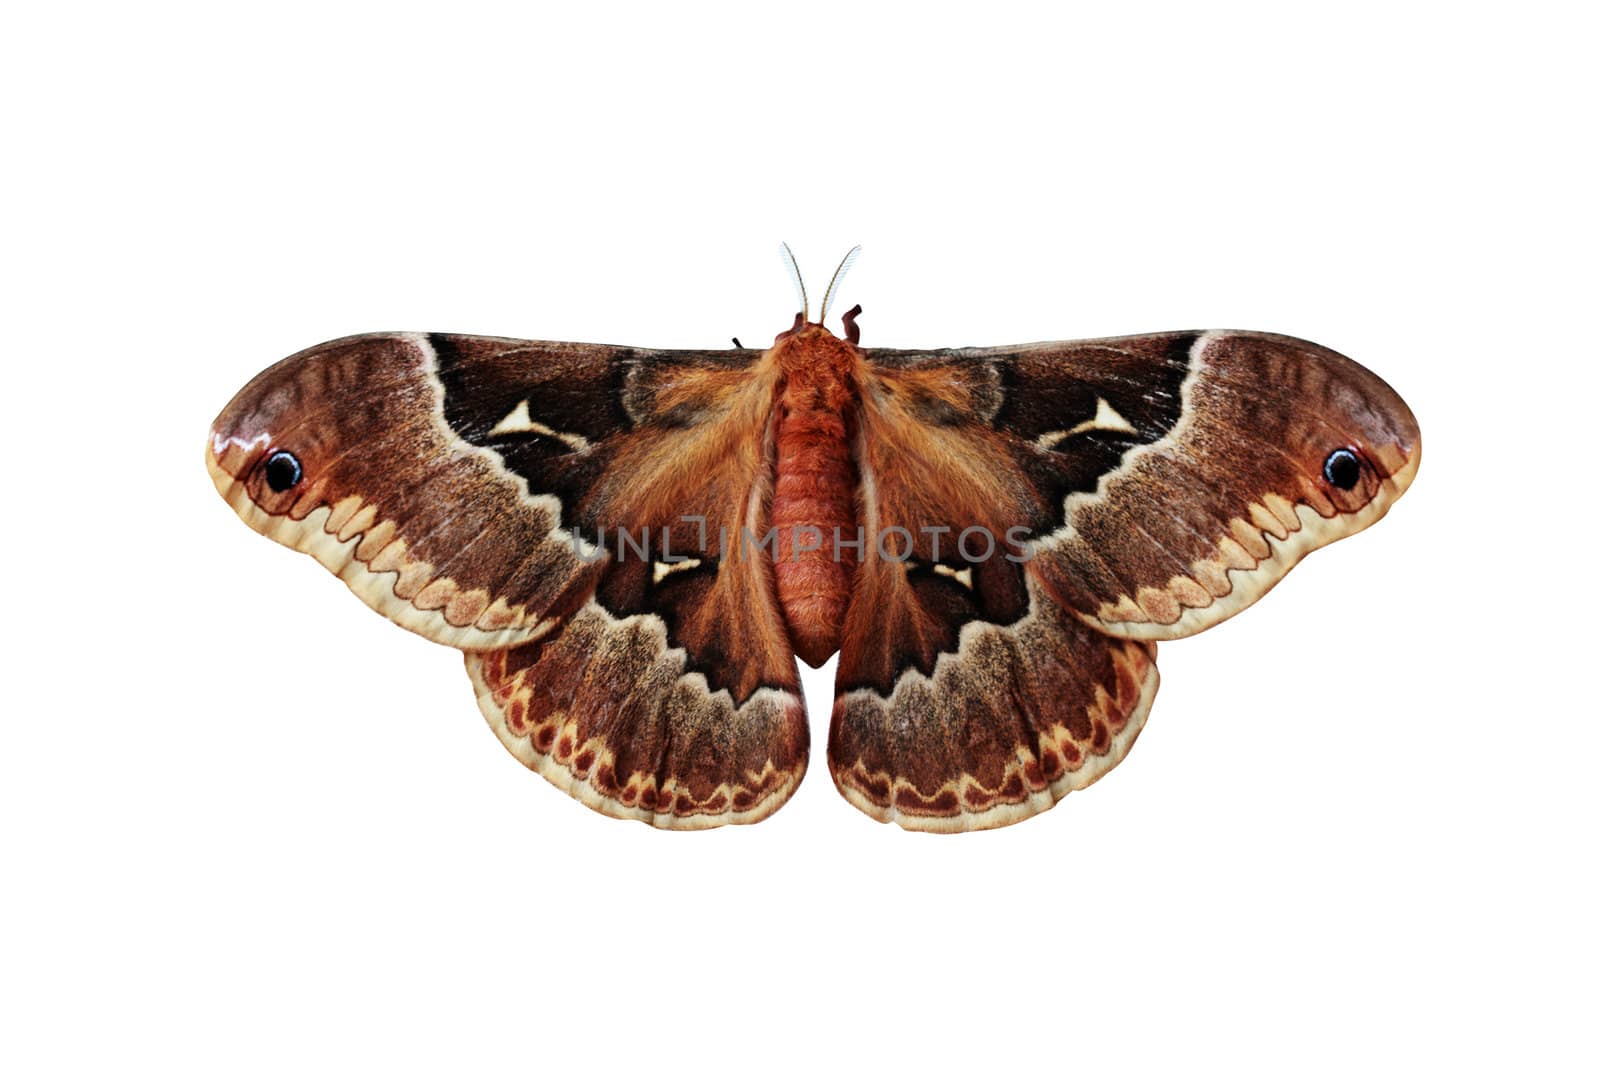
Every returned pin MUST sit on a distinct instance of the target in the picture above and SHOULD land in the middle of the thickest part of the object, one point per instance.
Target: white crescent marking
(520, 422)
(664, 569)
(1105, 418)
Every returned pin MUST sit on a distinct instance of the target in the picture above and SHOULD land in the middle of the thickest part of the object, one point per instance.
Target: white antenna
(799, 282)
(838, 278)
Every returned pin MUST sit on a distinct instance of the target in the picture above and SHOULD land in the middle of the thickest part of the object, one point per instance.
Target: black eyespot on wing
(281, 471)
(1342, 469)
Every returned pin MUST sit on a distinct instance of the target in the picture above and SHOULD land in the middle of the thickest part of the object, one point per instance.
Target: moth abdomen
(814, 491)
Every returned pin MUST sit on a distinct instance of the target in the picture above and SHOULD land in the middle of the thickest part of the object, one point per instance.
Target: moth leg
(852, 332)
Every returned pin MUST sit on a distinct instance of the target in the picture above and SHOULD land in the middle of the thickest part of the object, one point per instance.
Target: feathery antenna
(838, 278)
(799, 282)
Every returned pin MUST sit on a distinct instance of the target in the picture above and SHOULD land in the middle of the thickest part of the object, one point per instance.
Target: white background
(250, 828)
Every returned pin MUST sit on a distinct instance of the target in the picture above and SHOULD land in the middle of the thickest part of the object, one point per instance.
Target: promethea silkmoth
(631, 546)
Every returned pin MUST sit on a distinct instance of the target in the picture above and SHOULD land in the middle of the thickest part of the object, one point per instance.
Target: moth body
(813, 503)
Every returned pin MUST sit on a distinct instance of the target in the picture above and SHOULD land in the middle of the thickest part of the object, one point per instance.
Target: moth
(631, 546)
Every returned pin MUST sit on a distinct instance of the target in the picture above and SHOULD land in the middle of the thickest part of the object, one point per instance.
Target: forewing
(1165, 482)
(405, 497)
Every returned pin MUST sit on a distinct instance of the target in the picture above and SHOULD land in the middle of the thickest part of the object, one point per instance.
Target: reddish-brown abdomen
(813, 502)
